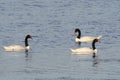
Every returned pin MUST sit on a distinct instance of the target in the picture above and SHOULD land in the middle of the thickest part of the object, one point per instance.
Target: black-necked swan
(86, 50)
(88, 39)
(19, 47)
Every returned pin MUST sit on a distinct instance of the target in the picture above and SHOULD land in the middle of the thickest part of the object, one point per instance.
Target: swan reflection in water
(26, 53)
(95, 59)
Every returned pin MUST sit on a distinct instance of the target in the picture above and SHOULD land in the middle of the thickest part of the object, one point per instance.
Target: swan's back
(87, 39)
(13, 48)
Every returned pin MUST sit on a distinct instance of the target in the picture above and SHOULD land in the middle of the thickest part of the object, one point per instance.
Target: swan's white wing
(14, 48)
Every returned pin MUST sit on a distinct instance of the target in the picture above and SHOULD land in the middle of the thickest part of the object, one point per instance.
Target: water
(52, 24)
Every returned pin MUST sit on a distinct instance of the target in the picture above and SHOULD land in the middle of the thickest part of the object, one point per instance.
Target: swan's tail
(73, 51)
(6, 48)
(99, 38)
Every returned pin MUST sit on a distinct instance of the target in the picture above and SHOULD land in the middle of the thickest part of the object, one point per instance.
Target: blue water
(52, 24)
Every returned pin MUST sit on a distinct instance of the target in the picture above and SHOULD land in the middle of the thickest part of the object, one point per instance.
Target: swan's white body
(19, 47)
(83, 51)
(88, 39)
(16, 48)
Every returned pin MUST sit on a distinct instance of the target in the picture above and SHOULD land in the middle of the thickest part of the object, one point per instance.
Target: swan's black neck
(79, 32)
(93, 44)
(26, 40)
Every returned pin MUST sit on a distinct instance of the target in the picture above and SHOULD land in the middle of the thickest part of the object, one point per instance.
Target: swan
(86, 50)
(87, 39)
(19, 47)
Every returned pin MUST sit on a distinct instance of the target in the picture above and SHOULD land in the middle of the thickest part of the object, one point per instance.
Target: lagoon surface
(52, 24)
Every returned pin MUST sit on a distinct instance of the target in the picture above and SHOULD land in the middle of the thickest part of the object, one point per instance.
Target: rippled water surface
(52, 24)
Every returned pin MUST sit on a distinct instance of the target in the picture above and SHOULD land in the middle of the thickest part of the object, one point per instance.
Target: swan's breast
(77, 40)
(27, 47)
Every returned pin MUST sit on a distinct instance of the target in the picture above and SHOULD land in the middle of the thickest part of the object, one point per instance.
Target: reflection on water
(28, 56)
(52, 23)
(95, 61)
(26, 53)
(94, 55)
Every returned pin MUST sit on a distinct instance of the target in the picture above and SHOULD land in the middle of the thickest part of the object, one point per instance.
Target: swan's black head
(79, 32)
(29, 36)
(95, 40)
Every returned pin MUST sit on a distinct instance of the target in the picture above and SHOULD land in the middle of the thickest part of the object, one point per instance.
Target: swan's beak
(31, 37)
(99, 40)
